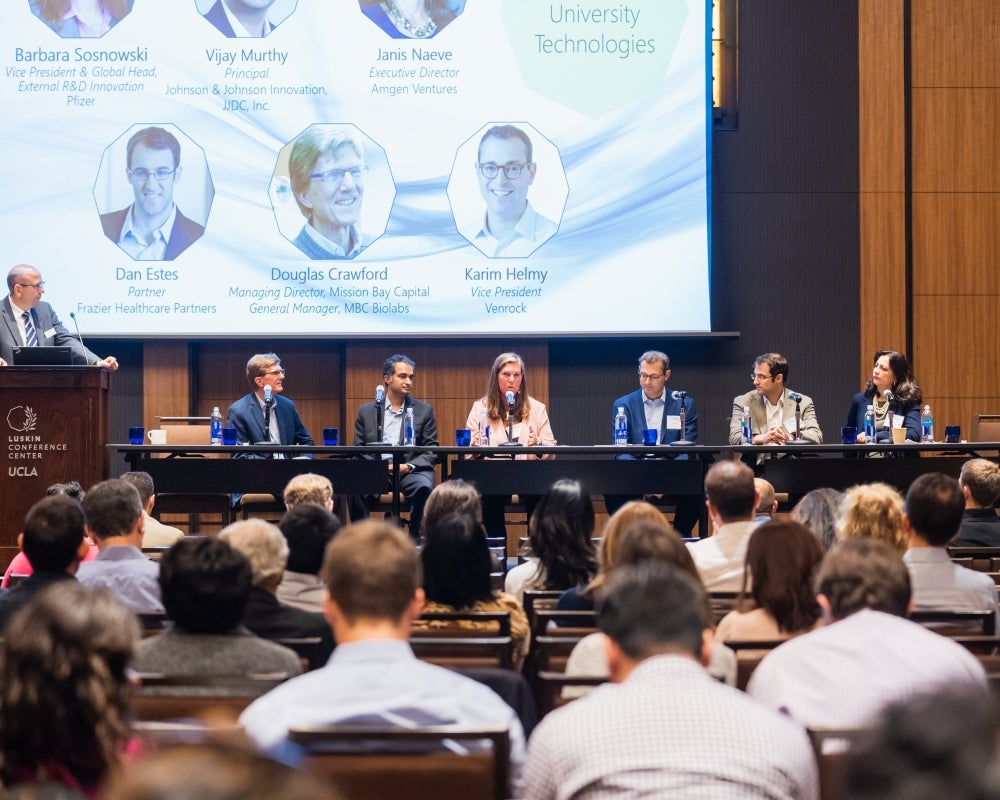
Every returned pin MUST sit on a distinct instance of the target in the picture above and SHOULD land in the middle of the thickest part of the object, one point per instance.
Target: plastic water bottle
(409, 428)
(215, 426)
(870, 425)
(927, 425)
(621, 427)
(484, 429)
(747, 426)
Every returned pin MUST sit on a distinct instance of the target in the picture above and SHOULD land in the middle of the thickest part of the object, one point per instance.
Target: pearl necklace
(404, 25)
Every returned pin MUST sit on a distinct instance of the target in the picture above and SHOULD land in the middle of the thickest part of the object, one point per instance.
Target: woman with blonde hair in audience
(643, 540)
(63, 703)
(581, 598)
(560, 534)
(777, 600)
(874, 510)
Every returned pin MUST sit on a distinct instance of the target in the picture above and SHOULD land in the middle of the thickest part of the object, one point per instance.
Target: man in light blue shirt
(114, 518)
(373, 579)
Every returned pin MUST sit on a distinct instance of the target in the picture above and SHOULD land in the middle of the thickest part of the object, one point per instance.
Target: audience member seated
(560, 533)
(580, 598)
(932, 515)
(20, 565)
(265, 547)
(213, 771)
(664, 727)
(767, 504)
(54, 542)
(980, 482)
(782, 558)
(459, 497)
(645, 539)
(63, 706)
(732, 498)
(308, 487)
(206, 585)
(867, 654)
(308, 529)
(456, 563)
(939, 744)
(114, 518)
(372, 574)
(875, 511)
(154, 533)
(818, 510)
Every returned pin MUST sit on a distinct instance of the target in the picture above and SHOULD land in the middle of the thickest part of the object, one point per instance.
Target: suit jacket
(270, 619)
(217, 16)
(184, 233)
(247, 417)
(635, 411)
(809, 426)
(424, 432)
(909, 412)
(45, 320)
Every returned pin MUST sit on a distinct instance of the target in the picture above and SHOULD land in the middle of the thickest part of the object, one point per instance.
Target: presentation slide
(360, 167)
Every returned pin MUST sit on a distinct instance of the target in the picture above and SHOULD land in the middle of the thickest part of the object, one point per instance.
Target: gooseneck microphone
(680, 394)
(79, 336)
(268, 402)
(798, 419)
(379, 411)
(889, 416)
(511, 399)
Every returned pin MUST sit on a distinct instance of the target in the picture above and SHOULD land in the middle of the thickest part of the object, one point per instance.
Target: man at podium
(27, 321)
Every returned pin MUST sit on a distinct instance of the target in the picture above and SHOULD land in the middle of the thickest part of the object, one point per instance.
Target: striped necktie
(30, 338)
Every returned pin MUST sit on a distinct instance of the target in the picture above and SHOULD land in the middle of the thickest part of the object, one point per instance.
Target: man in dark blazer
(653, 405)
(26, 288)
(248, 414)
(388, 424)
(252, 16)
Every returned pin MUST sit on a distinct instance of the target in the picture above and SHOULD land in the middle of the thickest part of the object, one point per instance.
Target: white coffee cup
(157, 437)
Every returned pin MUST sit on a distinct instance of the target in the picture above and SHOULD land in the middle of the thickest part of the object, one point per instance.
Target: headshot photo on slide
(245, 19)
(81, 19)
(412, 19)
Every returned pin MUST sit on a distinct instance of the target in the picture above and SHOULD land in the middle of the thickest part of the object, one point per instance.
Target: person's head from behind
(652, 609)
(818, 510)
(933, 508)
(373, 578)
(873, 511)
(862, 573)
(560, 533)
(53, 535)
(153, 167)
(505, 171)
(327, 171)
(62, 685)
(308, 529)
(308, 487)
(731, 493)
(782, 557)
(456, 562)
(632, 511)
(213, 770)
(205, 585)
(767, 504)
(114, 511)
(451, 497)
(264, 546)
(942, 743)
(70, 488)
(980, 482)
(143, 483)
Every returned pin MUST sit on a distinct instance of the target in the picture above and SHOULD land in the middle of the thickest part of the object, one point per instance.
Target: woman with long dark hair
(892, 374)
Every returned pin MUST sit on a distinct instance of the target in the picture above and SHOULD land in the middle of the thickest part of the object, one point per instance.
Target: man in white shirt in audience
(867, 654)
(664, 727)
(732, 498)
(373, 578)
(932, 514)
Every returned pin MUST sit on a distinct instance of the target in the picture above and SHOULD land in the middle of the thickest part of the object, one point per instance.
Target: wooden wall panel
(954, 42)
(883, 274)
(957, 345)
(166, 380)
(956, 243)
(955, 135)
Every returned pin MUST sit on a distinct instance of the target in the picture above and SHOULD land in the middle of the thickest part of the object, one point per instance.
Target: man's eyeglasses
(645, 376)
(39, 285)
(755, 375)
(337, 175)
(511, 171)
(141, 175)
(273, 372)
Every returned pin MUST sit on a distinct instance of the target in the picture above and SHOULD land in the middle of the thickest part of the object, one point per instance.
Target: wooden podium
(54, 425)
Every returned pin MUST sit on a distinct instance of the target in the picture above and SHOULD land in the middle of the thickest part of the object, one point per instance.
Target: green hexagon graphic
(593, 57)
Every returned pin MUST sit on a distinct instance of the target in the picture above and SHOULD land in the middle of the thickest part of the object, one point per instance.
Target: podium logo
(22, 419)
